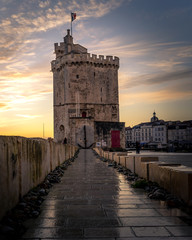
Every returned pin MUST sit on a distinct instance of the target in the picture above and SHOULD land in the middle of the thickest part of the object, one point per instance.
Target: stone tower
(85, 94)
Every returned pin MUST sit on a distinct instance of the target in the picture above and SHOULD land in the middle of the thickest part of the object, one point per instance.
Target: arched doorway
(85, 136)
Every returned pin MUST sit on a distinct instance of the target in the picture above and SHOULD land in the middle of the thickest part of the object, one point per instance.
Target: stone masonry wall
(24, 163)
(84, 83)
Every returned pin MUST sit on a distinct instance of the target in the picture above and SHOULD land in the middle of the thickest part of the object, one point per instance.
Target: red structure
(115, 139)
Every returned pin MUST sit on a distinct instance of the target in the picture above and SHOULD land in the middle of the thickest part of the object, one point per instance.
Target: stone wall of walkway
(175, 178)
(24, 163)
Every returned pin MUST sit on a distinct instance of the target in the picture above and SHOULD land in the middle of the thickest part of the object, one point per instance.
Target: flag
(73, 16)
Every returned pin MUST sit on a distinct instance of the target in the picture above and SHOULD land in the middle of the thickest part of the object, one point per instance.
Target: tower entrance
(85, 136)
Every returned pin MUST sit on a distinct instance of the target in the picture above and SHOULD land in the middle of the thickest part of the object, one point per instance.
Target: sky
(152, 38)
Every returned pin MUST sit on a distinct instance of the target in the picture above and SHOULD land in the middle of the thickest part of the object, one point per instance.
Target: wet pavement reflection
(94, 201)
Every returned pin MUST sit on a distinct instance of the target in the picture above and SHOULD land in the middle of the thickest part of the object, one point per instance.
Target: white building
(160, 134)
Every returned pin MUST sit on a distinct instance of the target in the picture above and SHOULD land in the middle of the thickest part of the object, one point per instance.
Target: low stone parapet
(24, 163)
(175, 178)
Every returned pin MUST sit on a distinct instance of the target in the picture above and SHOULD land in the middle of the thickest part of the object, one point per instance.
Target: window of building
(77, 76)
(84, 114)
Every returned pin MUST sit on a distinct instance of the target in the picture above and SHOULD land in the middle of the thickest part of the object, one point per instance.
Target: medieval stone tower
(86, 102)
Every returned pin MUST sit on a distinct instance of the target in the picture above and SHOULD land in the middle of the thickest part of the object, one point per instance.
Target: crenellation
(101, 57)
(80, 59)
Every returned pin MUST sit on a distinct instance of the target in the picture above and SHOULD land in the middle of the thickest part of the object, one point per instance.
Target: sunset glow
(152, 38)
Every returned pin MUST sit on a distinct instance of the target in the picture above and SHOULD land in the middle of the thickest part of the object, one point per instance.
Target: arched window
(61, 128)
(84, 114)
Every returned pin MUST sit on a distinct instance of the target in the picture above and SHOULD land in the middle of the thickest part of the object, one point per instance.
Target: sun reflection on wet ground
(94, 201)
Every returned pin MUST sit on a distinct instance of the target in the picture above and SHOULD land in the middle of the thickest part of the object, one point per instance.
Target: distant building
(180, 133)
(86, 98)
(160, 134)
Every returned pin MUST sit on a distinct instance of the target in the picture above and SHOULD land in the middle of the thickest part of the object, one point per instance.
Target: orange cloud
(3, 105)
(131, 98)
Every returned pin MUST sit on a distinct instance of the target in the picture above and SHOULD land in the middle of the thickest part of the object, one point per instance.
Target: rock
(147, 189)
(35, 214)
(110, 165)
(158, 194)
(22, 205)
(6, 229)
(42, 192)
(130, 178)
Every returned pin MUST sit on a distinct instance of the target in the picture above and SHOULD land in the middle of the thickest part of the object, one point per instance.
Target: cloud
(16, 28)
(23, 79)
(152, 58)
(3, 105)
(157, 78)
(28, 116)
(44, 4)
(93, 8)
(153, 97)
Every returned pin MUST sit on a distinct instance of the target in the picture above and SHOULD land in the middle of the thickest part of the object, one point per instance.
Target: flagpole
(71, 24)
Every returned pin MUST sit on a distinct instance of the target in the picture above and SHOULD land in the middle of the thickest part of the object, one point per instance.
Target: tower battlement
(87, 58)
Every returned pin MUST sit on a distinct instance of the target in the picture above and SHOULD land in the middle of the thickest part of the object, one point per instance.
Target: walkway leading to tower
(94, 201)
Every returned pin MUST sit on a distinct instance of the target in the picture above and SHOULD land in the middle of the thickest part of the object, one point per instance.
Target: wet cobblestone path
(94, 201)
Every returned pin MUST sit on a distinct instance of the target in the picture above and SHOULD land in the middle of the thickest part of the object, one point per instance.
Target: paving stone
(181, 231)
(109, 232)
(130, 201)
(53, 233)
(151, 232)
(77, 207)
(155, 238)
(151, 221)
(93, 222)
(83, 212)
(116, 206)
(47, 222)
(151, 205)
(171, 212)
(131, 212)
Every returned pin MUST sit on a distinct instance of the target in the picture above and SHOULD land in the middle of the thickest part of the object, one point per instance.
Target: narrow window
(101, 89)
(77, 76)
(84, 114)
